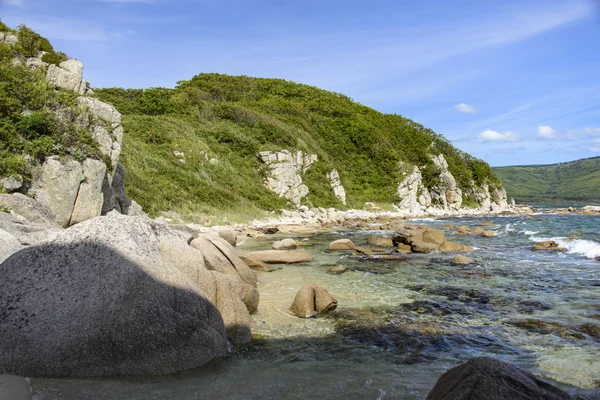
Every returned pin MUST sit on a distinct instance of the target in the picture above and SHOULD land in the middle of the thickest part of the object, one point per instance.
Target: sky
(511, 82)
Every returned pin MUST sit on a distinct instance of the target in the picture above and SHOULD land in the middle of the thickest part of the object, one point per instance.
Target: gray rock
(8, 245)
(491, 379)
(64, 79)
(27, 207)
(89, 198)
(101, 110)
(55, 186)
(10, 39)
(284, 173)
(73, 66)
(11, 183)
(25, 231)
(103, 299)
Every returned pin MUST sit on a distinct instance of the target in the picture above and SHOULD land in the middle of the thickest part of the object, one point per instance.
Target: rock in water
(280, 256)
(491, 379)
(434, 236)
(423, 247)
(451, 247)
(462, 260)
(342, 244)
(380, 241)
(106, 297)
(285, 244)
(312, 300)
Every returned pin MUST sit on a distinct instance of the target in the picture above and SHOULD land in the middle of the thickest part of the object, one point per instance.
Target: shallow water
(394, 334)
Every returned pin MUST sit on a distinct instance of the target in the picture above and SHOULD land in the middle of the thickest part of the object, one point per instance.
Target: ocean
(401, 323)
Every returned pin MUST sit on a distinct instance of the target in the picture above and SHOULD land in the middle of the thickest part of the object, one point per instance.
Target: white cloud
(465, 108)
(493, 136)
(546, 132)
(17, 3)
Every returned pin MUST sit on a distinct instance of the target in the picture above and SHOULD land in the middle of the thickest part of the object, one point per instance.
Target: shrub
(31, 43)
(54, 58)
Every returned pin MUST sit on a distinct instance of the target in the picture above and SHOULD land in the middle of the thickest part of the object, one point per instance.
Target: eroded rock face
(446, 194)
(336, 186)
(107, 297)
(491, 379)
(284, 172)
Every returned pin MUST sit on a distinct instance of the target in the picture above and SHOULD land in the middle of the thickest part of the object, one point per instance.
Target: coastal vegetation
(575, 181)
(30, 126)
(231, 118)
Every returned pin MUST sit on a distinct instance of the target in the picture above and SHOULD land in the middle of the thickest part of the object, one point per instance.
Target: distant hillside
(230, 119)
(572, 181)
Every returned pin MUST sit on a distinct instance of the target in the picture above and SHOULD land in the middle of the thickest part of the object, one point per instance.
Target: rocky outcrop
(336, 186)
(120, 295)
(8, 39)
(312, 300)
(445, 194)
(283, 175)
(491, 379)
(67, 75)
(28, 208)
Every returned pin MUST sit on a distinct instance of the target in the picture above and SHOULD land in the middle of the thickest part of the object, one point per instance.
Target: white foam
(587, 248)
(529, 232)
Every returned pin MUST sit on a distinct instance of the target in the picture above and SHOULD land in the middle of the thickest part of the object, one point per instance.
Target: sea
(402, 322)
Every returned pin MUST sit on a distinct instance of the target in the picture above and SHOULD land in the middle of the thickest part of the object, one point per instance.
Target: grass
(232, 118)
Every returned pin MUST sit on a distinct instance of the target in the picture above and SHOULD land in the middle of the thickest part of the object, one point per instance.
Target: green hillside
(572, 181)
(232, 118)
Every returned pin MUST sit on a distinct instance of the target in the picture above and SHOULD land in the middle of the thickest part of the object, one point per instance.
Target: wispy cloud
(595, 146)
(546, 131)
(16, 3)
(493, 136)
(465, 108)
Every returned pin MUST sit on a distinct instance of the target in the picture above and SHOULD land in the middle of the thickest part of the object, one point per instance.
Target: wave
(587, 248)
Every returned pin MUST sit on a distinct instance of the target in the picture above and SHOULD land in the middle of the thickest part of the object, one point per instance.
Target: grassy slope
(576, 180)
(232, 118)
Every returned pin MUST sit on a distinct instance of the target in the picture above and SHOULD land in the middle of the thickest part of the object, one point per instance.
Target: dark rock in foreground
(485, 378)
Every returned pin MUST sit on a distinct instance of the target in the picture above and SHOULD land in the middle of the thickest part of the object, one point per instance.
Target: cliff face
(74, 179)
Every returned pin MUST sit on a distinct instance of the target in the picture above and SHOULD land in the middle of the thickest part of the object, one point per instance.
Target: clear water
(394, 334)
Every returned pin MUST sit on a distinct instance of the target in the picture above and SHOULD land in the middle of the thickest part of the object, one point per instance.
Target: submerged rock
(337, 270)
(312, 300)
(491, 379)
(258, 265)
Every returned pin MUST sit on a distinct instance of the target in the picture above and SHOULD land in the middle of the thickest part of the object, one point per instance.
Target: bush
(31, 43)
(54, 58)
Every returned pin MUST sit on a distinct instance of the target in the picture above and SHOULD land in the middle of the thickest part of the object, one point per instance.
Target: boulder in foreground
(116, 296)
(491, 379)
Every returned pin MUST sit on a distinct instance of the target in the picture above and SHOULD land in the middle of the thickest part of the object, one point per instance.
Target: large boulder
(115, 296)
(280, 256)
(406, 235)
(25, 231)
(491, 379)
(548, 245)
(68, 75)
(312, 300)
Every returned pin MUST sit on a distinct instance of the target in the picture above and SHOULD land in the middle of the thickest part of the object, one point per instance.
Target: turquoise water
(401, 323)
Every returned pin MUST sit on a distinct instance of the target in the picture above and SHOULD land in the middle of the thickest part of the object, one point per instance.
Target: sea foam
(587, 248)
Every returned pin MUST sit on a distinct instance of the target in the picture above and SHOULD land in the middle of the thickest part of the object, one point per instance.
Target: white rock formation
(336, 185)
(283, 176)
(446, 195)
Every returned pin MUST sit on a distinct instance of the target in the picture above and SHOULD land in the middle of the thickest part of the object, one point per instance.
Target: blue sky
(512, 82)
